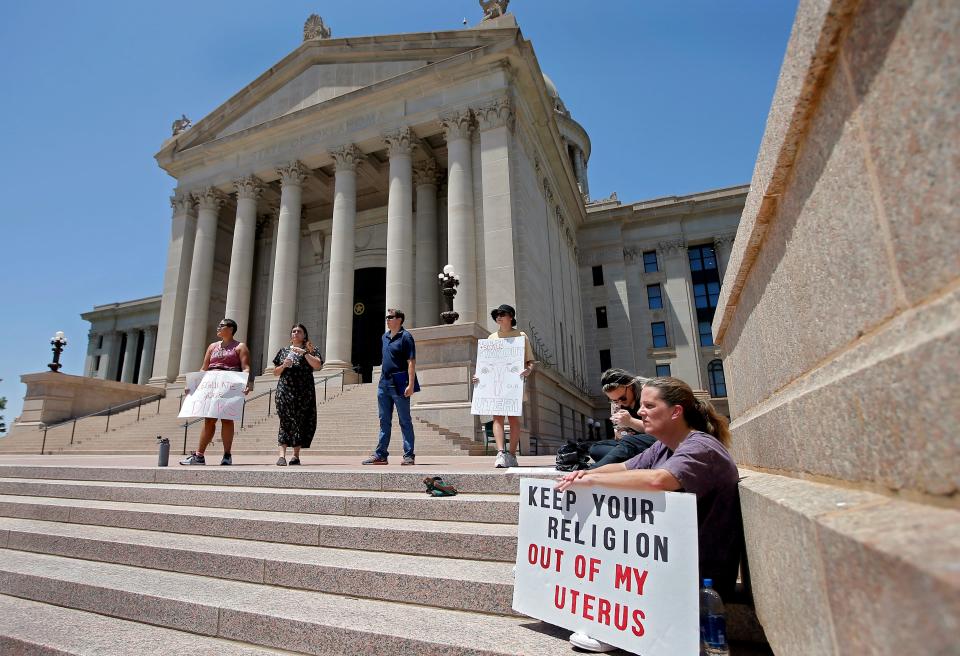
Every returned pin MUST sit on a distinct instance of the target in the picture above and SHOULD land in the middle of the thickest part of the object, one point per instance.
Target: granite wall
(840, 314)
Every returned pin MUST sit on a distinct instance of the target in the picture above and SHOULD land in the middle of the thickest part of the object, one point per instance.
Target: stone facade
(840, 314)
(122, 340)
(649, 274)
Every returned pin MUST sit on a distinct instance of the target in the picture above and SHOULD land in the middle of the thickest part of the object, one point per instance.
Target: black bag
(573, 456)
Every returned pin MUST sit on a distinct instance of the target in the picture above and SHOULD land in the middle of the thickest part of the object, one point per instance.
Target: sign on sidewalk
(217, 394)
(619, 566)
(500, 390)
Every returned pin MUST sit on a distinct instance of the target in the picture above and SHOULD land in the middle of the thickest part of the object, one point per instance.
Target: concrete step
(37, 629)
(496, 509)
(304, 621)
(495, 542)
(460, 583)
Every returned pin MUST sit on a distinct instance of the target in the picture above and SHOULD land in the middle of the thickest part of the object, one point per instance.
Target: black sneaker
(193, 459)
(294, 461)
(227, 459)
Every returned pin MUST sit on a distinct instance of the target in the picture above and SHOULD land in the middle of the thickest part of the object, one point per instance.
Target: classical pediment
(317, 84)
(321, 70)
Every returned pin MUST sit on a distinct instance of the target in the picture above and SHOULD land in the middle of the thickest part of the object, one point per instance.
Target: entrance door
(369, 309)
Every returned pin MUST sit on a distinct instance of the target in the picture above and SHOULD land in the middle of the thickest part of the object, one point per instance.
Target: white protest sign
(500, 390)
(217, 394)
(617, 565)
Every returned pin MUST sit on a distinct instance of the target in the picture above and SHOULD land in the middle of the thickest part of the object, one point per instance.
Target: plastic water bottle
(713, 622)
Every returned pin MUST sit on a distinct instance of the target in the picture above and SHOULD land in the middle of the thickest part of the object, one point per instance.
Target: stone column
(283, 306)
(176, 279)
(580, 168)
(88, 369)
(130, 357)
(239, 283)
(499, 272)
(342, 244)
(146, 361)
(427, 261)
(109, 356)
(196, 335)
(399, 292)
(682, 335)
(722, 246)
(461, 232)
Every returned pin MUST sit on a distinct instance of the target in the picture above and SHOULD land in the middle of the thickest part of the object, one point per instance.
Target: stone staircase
(111, 560)
(347, 424)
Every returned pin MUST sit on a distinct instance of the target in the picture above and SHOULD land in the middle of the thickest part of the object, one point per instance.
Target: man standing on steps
(397, 384)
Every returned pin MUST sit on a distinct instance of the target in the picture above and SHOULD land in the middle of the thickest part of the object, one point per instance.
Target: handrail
(111, 410)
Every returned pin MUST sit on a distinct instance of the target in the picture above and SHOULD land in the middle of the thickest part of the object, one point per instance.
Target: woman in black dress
(296, 396)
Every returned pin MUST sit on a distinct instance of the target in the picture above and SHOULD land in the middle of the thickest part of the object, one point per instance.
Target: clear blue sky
(674, 96)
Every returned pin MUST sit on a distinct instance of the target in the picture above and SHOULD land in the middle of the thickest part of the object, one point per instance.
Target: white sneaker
(512, 460)
(583, 641)
(501, 461)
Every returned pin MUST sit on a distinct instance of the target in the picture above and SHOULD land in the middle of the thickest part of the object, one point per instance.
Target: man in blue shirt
(397, 382)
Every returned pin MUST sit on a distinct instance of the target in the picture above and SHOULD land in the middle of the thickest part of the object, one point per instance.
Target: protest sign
(217, 394)
(617, 565)
(500, 390)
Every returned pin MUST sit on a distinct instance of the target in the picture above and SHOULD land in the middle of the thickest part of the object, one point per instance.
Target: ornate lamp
(58, 342)
(448, 287)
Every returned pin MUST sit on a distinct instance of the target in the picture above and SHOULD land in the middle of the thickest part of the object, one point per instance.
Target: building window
(602, 317)
(598, 276)
(650, 261)
(96, 364)
(718, 384)
(654, 297)
(659, 330)
(702, 258)
(100, 341)
(706, 333)
(705, 295)
(604, 360)
(663, 370)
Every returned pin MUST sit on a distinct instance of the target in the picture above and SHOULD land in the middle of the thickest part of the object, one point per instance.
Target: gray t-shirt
(704, 468)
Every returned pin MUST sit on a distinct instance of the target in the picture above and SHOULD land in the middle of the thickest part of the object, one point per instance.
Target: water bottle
(164, 455)
(713, 622)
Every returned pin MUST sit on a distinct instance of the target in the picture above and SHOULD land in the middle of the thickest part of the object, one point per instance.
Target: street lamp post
(448, 287)
(58, 342)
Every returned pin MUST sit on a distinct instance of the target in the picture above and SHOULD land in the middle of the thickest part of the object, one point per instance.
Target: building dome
(554, 95)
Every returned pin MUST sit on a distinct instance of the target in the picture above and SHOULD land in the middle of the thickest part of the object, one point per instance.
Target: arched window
(718, 384)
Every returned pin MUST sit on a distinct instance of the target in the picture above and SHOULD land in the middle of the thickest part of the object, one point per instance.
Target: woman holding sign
(505, 316)
(690, 455)
(296, 395)
(225, 355)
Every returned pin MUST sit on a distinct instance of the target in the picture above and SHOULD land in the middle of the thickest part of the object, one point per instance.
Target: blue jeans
(387, 398)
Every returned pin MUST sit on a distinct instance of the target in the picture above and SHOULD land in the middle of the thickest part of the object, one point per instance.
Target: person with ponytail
(690, 455)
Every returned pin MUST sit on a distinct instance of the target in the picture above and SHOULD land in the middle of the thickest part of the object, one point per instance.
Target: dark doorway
(369, 309)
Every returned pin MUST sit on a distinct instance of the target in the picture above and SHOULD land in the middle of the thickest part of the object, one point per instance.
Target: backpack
(573, 456)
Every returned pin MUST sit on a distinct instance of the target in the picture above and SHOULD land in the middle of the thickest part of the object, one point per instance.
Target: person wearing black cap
(506, 318)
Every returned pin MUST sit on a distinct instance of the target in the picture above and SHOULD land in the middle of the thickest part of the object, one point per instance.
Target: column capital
(248, 186)
(496, 114)
(209, 198)
(457, 124)
(346, 158)
(400, 142)
(724, 239)
(672, 246)
(425, 172)
(293, 174)
(182, 203)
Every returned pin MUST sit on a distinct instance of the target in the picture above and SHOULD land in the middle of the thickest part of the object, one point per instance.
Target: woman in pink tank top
(227, 354)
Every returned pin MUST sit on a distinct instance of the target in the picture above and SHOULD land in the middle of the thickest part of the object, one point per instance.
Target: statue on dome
(493, 8)
(182, 124)
(315, 28)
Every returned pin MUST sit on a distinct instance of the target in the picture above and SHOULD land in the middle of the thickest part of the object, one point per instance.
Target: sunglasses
(391, 316)
(502, 314)
(621, 400)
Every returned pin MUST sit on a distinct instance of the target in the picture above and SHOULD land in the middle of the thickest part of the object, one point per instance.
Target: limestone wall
(840, 315)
